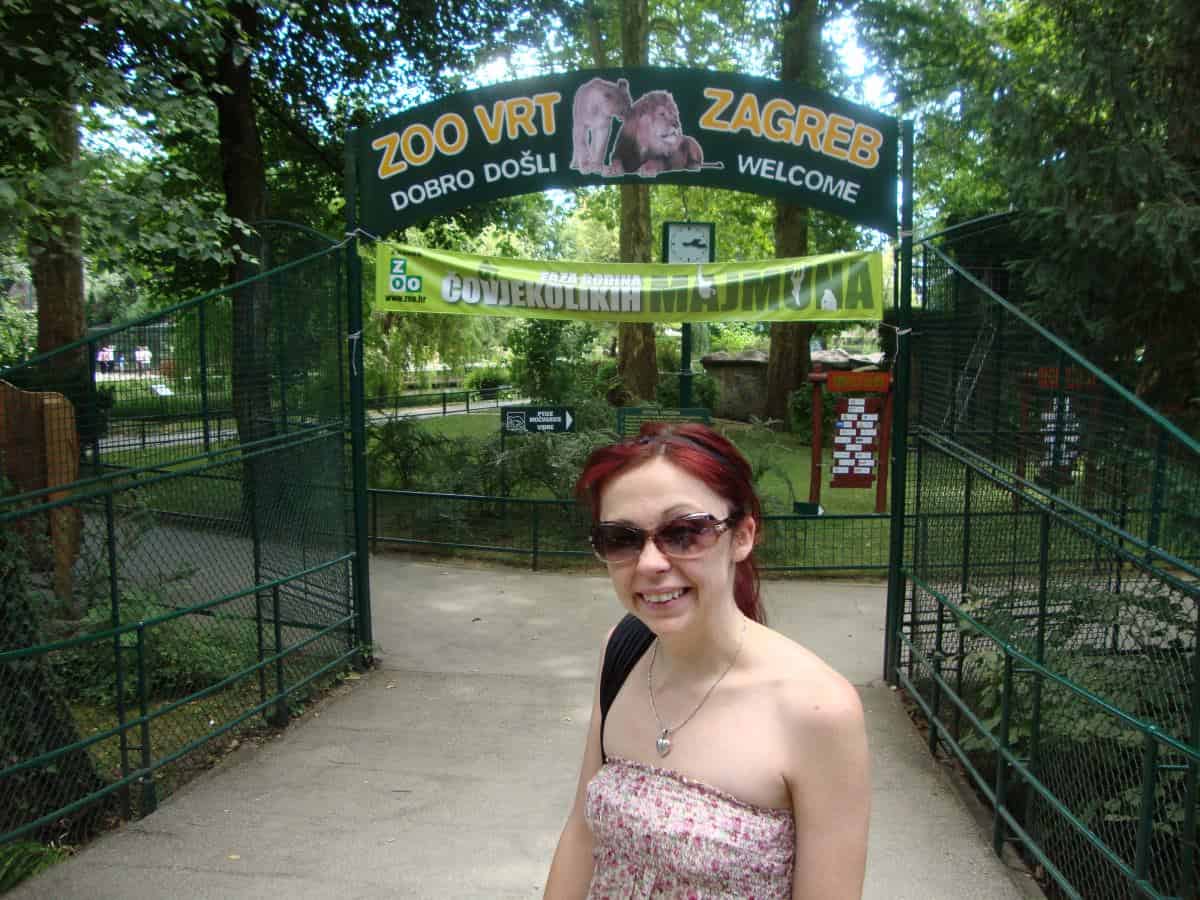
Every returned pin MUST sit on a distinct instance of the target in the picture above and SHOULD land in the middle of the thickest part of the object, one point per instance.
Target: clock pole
(687, 242)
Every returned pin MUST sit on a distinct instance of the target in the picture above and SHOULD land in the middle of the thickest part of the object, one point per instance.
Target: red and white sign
(855, 441)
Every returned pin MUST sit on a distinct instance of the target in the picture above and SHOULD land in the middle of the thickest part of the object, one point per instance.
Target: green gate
(1044, 606)
(178, 560)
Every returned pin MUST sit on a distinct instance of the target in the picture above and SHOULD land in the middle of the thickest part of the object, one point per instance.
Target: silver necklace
(663, 744)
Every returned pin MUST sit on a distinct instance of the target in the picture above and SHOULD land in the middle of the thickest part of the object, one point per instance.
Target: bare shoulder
(813, 700)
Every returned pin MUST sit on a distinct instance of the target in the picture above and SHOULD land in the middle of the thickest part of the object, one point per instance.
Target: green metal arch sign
(614, 126)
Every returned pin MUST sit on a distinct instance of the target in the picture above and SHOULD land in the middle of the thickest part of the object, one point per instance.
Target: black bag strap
(629, 642)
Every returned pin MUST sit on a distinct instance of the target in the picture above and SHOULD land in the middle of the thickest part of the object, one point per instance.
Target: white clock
(688, 242)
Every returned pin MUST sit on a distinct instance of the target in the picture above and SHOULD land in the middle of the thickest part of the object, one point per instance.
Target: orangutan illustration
(651, 140)
(597, 103)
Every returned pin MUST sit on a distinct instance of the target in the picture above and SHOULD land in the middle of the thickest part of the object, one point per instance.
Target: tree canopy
(1083, 117)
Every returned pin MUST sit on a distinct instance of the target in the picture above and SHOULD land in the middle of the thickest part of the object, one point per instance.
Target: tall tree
(591, 30)
(789, 359)
(637, 359)
(66, 68)
(1084, 117)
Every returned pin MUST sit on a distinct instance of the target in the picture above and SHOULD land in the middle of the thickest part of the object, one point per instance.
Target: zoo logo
(401, 281)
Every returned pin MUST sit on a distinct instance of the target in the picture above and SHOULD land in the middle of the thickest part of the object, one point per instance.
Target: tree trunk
(56, 265)
(637, 359)
(789, 359)
(244, 174)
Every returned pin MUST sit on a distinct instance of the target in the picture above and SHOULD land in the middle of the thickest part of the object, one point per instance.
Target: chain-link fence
(547, 530)
(175, 542)
(1050, 625)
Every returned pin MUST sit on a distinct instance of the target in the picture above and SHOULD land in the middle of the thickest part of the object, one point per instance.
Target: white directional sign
(535, 419)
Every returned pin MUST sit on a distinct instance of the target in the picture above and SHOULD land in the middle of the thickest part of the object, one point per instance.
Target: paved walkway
(448, 770)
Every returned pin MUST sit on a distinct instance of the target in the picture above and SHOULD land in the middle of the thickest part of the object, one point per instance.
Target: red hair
(705, 455)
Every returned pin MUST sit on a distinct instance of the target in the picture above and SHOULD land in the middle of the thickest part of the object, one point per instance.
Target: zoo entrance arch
(643, 125)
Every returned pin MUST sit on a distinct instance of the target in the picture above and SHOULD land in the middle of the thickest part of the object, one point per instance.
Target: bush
(734, 337)
(550, 358)
(704, 390)
(800, 407)
(487, 380)
(182, 655)
(18, 333)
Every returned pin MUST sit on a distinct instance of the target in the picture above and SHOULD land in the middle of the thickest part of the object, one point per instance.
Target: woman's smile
(660, 598)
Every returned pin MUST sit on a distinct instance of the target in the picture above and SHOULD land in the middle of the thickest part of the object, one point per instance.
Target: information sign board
(536, 419)
(630, 418)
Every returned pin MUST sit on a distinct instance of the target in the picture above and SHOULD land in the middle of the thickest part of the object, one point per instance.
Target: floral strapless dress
(659, 834)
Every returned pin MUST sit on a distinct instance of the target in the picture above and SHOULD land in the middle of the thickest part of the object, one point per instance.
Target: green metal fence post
(896, 578)
(149, 789)
(1141, 859)
(1002, 763)
(1191, 790)
(251, 490)
(920, 543)
(262, 646)
(964, 587)
(339, 282)
(281, 354)
(280, 716)
(999, 370)
(535, 534)
(938, 655)
(114, 602)
(358, 433)
(1039, 649)
(1157, 489)
(685, 365)
(373, 500)
(202, 339)
(93, 406)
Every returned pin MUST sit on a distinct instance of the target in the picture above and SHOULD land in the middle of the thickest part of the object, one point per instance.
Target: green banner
(836, 287)
(635, 125)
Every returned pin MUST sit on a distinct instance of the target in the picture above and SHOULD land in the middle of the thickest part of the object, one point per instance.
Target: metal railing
(173, 574)
(542, 529)
(1052, 593)
(440, 403)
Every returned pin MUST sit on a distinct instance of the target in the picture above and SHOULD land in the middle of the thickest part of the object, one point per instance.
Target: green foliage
(182, 655)
(24, 859)
(18, 332)
(113, 51)
(487, 379)
(736, 337)
(405, 454)
(1081, 115)
(550, 358)
(704, 386)
(800, 407)
(1148, 680)
(539, 465)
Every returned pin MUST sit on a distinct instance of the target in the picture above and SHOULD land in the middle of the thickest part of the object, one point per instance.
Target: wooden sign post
(862, 432)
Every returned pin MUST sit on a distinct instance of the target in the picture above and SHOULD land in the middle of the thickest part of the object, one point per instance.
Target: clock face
(689, 242)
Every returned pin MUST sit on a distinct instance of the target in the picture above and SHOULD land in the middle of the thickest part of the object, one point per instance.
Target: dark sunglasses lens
(687, 537)
(617, 542)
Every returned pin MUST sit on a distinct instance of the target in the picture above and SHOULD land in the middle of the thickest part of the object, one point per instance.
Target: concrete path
(448, 770)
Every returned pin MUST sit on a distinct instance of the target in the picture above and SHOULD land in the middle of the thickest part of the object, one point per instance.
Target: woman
(732, 762)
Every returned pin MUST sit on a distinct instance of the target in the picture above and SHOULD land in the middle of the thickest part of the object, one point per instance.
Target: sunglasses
(685, 537)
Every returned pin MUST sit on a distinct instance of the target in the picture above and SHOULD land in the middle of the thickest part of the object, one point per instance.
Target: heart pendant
(663, 744)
